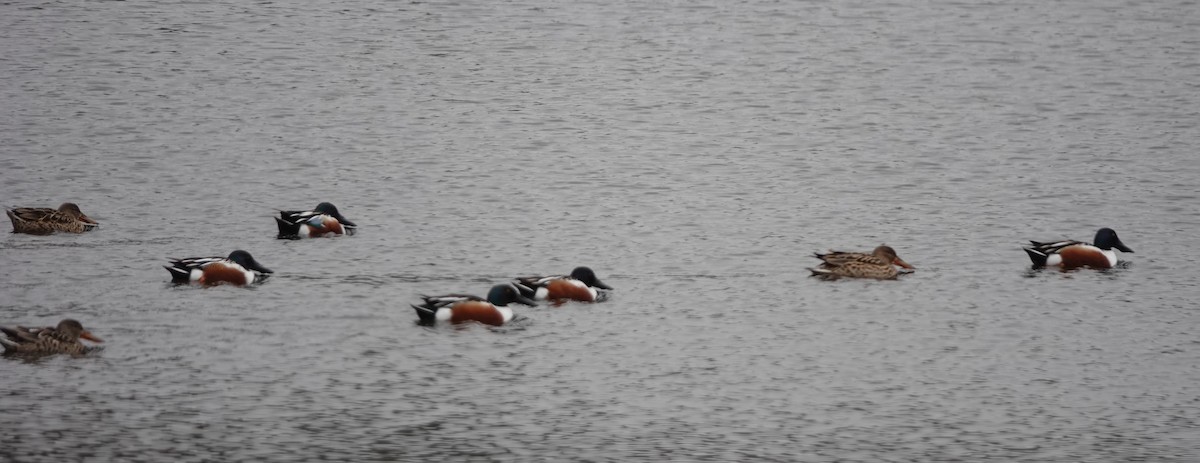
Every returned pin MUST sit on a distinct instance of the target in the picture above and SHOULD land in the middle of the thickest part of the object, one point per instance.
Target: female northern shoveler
(63, 339)
(44, 221)
(877, 265)
(238, 269)
(1069, 254)
(458, 308)
(582, 285)
(323, 220)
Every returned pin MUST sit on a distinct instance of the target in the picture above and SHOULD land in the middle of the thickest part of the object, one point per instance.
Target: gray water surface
(694, 154)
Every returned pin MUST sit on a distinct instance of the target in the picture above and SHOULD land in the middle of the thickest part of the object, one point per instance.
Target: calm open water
(693, 153)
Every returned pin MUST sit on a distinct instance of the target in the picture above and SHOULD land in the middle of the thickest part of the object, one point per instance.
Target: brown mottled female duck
(44, 221)
(877, 265)
(63, 339)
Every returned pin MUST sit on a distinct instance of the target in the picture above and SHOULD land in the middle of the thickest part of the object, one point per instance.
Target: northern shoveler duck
(581, 285)
(238, 269)
(44, 221)
(459, 308)
(1069, 254)
(63, 339)
(879, 264)
(323, 220)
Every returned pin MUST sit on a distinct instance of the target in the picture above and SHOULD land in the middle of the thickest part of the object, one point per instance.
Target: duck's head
(74, 330)
(331, 210)
(588, 277)
(72, 209)
(244, 259)
(505, 294)
(1107, 239)
(887, 253)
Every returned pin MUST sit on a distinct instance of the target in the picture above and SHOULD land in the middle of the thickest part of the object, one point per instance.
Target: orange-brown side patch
(477, 311)
(328, 225)
(562, 289)
(1082, 256)
(218, 273)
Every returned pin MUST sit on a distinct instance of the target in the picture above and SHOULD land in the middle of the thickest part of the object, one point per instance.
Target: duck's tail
(179, 275)
(526, 286)
(426, 313)
(823, 273)
(1038, 257)
(287, 230)
(9, 344)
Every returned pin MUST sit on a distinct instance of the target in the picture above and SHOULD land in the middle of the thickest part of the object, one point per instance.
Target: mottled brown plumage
(44, 221)
(880, 264)
(63, 339)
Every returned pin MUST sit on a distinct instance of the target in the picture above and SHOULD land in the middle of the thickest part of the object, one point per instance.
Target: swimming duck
(44, 221)
(323, 220)
(63, 339)
(238, 269)
(581, 285)
(878, 264)
(460, 308)
(1069, 254)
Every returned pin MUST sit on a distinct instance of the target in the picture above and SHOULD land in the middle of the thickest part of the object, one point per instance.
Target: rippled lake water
(694, 154)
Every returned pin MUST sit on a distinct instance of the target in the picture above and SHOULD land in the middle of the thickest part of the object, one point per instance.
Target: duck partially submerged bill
(581, 285)
(239, 269)
(462, 308)
(323, 220)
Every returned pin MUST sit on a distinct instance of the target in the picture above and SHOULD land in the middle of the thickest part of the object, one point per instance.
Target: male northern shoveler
(878, 264)
(238, 269)
(581, 285)
(1069, 254)
(63, 339)
(44, 221)
(323, 220)
(458, 308)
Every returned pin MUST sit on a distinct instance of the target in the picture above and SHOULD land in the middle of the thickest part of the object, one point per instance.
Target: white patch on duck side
(505, 313)
(541, 294)
(1053, 260)
(195, 275)
(442, 314)
(251, 276)
(1111, 255)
